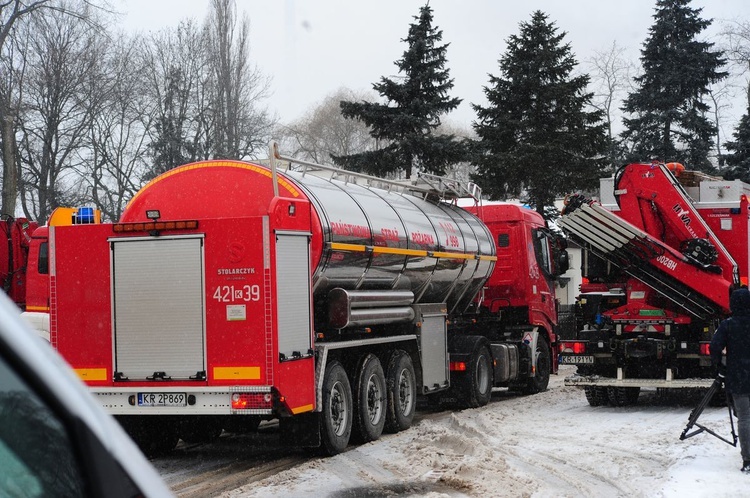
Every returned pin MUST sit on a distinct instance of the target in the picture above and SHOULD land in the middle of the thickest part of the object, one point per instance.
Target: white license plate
(576, 359)
(162, 399)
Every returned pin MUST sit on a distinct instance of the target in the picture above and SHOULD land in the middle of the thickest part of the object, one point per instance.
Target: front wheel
(623, 396)
(539, 380)
(476, 387)
(336, 417)
(596, 395)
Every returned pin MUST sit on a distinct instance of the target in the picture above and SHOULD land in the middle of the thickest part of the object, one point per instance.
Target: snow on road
(549, 445)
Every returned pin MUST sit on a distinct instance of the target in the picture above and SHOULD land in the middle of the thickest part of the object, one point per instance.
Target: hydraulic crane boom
(651, 198)
(667, 271)
(658, 279)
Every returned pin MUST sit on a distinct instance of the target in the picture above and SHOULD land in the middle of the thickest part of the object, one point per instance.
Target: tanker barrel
(376, 316)
(349, 308)
(370, 299)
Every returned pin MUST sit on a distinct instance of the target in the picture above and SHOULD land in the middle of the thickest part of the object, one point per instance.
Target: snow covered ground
(549, 445)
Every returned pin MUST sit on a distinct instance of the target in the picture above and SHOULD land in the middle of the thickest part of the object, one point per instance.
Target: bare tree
(11, 13)
(323, 131)
(178, 77)
(242, 125)
(737, 48)
(60, 101)
(114, 162)
(609, 72)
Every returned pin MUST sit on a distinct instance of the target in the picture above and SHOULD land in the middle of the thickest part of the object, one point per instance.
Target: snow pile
(549, 445)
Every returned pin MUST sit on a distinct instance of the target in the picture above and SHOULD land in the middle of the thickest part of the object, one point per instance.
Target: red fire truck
(13, 256)
(231, 292)
(661, 256)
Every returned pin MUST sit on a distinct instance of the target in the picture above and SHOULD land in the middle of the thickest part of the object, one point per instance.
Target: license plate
(576, 359)
(162, 399)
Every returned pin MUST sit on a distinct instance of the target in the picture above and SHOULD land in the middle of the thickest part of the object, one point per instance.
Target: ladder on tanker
(629, 248)
(428, 186)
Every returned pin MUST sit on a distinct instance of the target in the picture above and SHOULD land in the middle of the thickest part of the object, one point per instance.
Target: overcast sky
(312, 47)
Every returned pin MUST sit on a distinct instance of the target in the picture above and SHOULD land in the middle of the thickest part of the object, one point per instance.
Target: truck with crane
(662, 251)
(230, 292)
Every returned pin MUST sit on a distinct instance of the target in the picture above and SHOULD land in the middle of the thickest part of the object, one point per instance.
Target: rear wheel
(200, 429)
(370, 400)
(623, 396)
(336, 417)
(596, 395)
(241, 424)
(155, 435)
(401, 387)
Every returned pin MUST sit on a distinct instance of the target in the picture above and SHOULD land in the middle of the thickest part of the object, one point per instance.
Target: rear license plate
(162, 399)
(576, 359)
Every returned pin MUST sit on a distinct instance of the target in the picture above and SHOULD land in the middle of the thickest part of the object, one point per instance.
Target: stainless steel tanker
(363, 238)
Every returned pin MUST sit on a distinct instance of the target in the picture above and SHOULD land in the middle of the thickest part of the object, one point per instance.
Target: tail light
(573, 347)
(252, 401)
(705, 348)
(458, 366)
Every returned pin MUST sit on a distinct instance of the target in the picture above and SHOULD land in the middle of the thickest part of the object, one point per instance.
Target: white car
(54, 439)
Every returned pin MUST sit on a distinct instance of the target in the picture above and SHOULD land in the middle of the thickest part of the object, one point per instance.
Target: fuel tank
(362, 238)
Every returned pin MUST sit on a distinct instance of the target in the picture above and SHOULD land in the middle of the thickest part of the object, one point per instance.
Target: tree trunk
(10, 178)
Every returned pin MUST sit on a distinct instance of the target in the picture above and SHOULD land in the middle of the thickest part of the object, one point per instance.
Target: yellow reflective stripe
(303, 408)
(92, 373)
(452, 255)
(396, 250)
(236, 373)
(37, 308)
(338, 246)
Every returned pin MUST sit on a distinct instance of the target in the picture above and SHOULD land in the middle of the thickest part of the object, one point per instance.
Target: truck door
(158, 298)
(293, 294)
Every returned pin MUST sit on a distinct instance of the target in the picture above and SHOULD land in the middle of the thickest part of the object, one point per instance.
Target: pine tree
(168, 145)
(739, 162)
(405, 126)
(668, 111)
(537, 140)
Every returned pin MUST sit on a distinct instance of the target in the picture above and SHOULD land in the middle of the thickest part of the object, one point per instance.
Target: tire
(596, 395)
(623, 396)
(401, 388)
(336, 416)
(241, 424)
(476, 389)
(540, 380)
(370, 400)
(155, 435)
(200, 429)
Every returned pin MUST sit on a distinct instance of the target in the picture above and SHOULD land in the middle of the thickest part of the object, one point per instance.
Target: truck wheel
(540, 380)
(401, 387)
(477, 387)
(623, 396)
(154, 435)
(596, 395)
(369, 400)
(241, 424)
(200, 429)
(336, 418)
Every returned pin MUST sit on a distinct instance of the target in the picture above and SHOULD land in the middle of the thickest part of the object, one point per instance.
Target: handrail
(426, 184)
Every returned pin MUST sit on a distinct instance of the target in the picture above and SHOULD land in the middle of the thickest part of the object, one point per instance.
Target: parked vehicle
(230, 292)
(660, 258)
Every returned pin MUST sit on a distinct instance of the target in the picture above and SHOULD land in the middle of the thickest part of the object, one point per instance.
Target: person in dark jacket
(733, 335)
